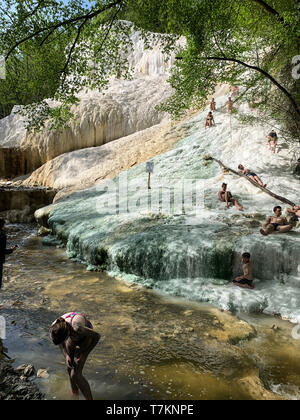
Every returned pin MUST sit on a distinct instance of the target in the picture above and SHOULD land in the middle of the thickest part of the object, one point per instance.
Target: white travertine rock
(126, 107)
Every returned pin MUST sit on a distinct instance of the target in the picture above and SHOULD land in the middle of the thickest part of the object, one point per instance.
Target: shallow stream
(152, 346)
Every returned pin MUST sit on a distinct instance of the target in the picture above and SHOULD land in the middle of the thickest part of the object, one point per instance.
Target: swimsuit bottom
(88, 323)
(251, 174)
(244, 281)
(275, 225)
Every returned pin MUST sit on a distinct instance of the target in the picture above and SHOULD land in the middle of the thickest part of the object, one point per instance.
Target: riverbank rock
(25, 370)
(16, 387)
(42, 373)
(253, 386)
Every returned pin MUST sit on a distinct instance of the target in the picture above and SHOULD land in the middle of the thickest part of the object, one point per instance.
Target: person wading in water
(3, 250)
(74, 334)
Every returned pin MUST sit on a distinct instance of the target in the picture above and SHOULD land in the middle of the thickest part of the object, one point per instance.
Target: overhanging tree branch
(87, 16)
(266, 74)
(270, 10)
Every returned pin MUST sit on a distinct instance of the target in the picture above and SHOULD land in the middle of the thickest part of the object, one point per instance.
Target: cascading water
(192, 248)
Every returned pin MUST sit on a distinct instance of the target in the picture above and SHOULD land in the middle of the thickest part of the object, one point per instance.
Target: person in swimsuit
(276, 223)
(209, 120)
(246, 280)
(252, 175)
(272, 137)
(229, 104)
(227, 198)
(74, 334)
(213, 105)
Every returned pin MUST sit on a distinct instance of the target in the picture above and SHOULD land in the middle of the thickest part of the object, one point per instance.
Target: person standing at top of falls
(3, 250)
(226, 197)
(246, 280)
(276, 223)
(272, 137)
(252, 175)
(74, 334)
(209, 122)
(213, 105)
(229, 105)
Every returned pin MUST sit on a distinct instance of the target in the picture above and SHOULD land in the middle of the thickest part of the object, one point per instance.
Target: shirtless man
(229, 104)
(209, 122)
(74, 334)
(213, 105)
(246, 279)
(252, 175)
(276, 223)
(227, 198)
(272, 137)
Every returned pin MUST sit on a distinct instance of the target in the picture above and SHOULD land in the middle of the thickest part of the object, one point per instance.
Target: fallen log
(255, 184)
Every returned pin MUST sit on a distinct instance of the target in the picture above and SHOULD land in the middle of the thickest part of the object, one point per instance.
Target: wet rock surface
(15, 383)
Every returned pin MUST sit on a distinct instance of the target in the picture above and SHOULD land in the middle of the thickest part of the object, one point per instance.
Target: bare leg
(80, 380)
(284, 229)
(257, 180)
(267, 230)
(237, 204)
(74, 387)
(244, 286)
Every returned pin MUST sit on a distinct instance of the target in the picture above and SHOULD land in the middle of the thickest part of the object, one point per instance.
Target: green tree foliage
(245, 43)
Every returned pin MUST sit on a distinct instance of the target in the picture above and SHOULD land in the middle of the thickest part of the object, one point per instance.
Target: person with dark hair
(252, 175)
(3, 250)
(272, 137)
(227, 197)
(75, 336)
(276, 223)
(209, 122)
(246, 280)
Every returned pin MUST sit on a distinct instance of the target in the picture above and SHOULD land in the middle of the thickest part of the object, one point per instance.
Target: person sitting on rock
(213, 105)
(272, 137)
(226, 197)
(246, 280)
(276, 223)
(74, 334)
(252, 175)
(209, 122)
(293, 216)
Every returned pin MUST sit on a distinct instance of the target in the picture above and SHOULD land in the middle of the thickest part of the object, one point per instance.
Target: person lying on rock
(246, 280)
(74, 334)
(252, 175)
(3, 250)
(226, 197)
(209, 122)
(276, 223)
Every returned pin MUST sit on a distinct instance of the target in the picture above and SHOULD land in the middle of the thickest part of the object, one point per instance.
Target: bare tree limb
(64, 70)
(266, 74)
(270, 10)
(255, 184)
(87, 16)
